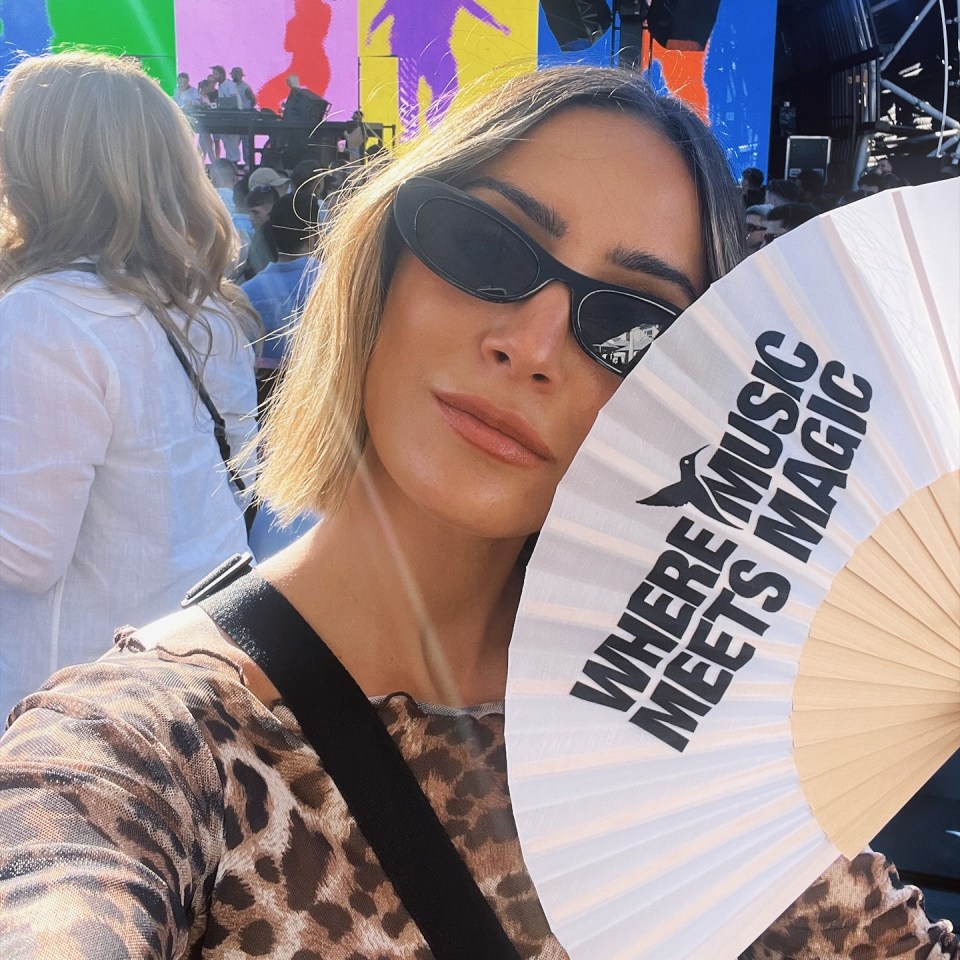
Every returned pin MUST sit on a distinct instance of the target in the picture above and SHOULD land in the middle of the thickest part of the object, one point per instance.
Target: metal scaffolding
(944, 130)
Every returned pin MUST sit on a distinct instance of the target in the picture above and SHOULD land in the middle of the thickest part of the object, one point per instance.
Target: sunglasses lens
(618, 328)
(474, 251)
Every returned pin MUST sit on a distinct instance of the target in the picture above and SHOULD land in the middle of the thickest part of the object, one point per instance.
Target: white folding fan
(737, 652)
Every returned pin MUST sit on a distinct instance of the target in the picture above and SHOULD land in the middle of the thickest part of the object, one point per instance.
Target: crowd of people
(164, 800)
(779, 206)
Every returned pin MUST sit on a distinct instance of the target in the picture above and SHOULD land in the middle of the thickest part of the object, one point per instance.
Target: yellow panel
(379, 45)
(378, 93)
(486, 56)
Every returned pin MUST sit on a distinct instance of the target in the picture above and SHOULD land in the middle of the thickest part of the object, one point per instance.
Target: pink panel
(270, 39)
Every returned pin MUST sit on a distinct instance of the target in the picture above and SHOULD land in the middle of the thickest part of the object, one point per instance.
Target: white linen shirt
(114, 499)
(228, 96)
(187, 99)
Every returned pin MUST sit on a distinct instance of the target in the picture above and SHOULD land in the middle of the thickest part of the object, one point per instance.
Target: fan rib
(938, 657)
(938, 527)
(820, 726)
(866, 649)
(900, 634)
(848, 821)
(649, 810)
(853, 752)
(828, 692)
(745, 866)
(948, 500)
(821, 659)
(902, 582)
(918, 263)
(870, 305)
(687, 858)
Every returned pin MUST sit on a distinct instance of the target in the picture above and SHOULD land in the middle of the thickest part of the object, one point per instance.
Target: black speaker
(631, 40)
(682, 24)
(577, 24)
(807, 153)
(305, 106)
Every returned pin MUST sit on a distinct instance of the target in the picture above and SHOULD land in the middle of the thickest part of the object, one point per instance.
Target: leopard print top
(151, 806)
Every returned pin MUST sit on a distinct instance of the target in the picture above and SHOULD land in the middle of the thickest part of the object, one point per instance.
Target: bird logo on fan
(689, 489)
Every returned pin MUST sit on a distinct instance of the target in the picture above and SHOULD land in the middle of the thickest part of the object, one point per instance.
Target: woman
(435, 396)
(113, 493)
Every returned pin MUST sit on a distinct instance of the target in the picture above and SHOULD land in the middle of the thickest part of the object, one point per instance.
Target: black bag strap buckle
(228, 571)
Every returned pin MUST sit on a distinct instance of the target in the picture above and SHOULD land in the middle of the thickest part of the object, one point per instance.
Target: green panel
(135, 28)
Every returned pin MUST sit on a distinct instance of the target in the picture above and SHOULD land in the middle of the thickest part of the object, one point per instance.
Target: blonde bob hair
(96, 161)
(315, 430)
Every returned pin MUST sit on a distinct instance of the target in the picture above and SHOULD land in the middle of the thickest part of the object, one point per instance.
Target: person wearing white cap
(268, 177)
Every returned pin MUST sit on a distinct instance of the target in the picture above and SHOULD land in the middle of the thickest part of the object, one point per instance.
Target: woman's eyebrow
(556, 226)
(538, 212)
(652, 266)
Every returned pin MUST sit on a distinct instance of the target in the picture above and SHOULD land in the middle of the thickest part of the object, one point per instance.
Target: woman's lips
(497, 432)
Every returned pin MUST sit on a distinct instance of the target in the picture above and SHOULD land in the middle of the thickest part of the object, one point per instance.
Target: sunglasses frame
(414, 193)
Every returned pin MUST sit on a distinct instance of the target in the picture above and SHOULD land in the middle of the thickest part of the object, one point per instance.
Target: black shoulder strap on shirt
(362, 759)
(219, 427)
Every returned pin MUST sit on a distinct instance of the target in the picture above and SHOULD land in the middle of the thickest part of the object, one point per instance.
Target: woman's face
(476, 409)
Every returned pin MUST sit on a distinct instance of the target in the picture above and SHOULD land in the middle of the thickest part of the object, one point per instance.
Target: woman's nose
(531, 337)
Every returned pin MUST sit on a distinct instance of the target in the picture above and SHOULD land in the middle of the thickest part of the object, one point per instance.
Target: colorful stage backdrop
(404, 62)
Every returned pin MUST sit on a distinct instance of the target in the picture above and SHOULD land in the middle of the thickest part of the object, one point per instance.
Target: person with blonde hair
(114, 496)
(448, 365)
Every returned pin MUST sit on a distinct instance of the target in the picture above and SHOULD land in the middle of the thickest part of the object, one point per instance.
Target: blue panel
(739, 80)
(26, 31)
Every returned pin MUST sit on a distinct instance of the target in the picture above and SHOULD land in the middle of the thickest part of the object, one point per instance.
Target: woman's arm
(858, 909)
(56, 386)
(111, 821)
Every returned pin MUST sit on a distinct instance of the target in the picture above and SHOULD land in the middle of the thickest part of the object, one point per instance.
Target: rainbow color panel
(271, 39)
(135, 28)
(418, 58)
(404, 62)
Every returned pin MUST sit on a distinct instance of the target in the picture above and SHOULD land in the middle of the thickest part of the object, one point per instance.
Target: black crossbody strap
(362, 759)
(219, 427)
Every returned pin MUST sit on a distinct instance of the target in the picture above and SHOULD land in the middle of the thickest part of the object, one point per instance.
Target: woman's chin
(489, 518)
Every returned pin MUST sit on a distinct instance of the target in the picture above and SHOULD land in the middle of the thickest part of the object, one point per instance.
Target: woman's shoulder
(72, 293)
(219, 328)
(179, 669)
(191, 641)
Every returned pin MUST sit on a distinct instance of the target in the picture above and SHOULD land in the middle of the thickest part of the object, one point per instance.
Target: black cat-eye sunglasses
(474, 247)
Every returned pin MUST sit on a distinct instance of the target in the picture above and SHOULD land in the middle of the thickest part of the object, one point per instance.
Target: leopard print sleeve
(111, 816)
(858, 910)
